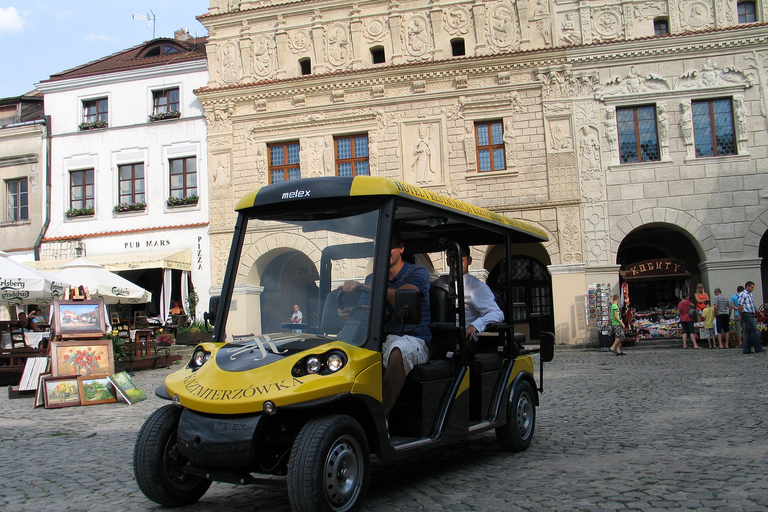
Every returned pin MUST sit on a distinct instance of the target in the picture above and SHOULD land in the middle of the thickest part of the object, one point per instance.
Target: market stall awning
(178, 260)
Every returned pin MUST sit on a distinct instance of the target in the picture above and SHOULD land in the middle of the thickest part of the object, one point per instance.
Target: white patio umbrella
(22, 284)
(101, 283)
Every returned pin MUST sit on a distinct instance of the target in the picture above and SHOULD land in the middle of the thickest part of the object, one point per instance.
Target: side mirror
(547, 346)
(210, 315)
(408, 306)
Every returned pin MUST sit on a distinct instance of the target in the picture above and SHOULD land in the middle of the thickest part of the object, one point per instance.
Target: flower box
(93, 125)
(181, 201)
(173, 114)
(78, 212)
(130, 207)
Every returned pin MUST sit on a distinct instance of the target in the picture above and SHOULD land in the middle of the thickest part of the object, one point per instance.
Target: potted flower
(93, 125)
(193, 334)
(165, 339)
(181, 201)
(79, 212)
(130, 207)
(160, 116)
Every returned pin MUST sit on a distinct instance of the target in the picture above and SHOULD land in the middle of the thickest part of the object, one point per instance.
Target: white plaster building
(633, 132)
(130, 168)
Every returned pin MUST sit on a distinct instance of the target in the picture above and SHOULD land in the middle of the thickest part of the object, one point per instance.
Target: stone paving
(658, 429)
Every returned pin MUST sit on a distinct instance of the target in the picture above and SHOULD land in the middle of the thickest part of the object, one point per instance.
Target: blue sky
(39, 38)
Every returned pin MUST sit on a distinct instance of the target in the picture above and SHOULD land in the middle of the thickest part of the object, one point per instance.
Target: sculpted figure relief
(422, 156)
(589, 150)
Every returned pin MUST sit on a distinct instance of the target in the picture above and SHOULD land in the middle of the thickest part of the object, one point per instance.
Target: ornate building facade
(633, 132)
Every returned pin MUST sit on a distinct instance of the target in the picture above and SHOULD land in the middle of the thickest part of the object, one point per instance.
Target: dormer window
(306, 66)
(377, 55)
(157, 48)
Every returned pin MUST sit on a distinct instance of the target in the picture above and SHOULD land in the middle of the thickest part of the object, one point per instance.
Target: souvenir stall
(598, 308)
(651, 291)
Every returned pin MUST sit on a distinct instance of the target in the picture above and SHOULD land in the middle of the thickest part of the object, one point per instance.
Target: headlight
(313, 365)
(334, 362)
(199, 358)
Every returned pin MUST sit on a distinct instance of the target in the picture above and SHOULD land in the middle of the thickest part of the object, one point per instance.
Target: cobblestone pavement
(658, 429)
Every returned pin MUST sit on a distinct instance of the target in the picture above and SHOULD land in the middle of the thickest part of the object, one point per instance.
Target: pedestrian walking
(747, 312)
(736, 317)
(617, 324)
(296, 317)
(686, 310)
(722, 317)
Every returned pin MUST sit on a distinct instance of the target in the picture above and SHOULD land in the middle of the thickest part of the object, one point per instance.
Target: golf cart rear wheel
(158, 466)
(329, 466)
(517, 434)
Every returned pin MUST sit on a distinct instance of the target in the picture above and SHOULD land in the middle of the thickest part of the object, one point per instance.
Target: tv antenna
(150, 16)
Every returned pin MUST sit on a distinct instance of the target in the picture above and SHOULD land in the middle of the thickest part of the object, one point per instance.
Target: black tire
(517, 434)
(329, 466)
(157, 465)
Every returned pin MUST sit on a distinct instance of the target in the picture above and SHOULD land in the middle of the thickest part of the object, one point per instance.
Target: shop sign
(657, 267)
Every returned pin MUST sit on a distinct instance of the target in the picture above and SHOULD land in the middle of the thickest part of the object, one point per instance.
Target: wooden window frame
(353, 160)
(697, 134)
(20, 209)
(99, 115)
(637, 140)
(131, 197)
(753, 13)
(287, 166)
(490, 147)
(169, 106)
(186, 189)
(86, 201)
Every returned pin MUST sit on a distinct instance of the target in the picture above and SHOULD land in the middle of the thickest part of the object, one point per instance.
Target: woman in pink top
(686, 309)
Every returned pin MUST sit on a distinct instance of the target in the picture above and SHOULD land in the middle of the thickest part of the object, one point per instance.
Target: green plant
(173, 114)
(130, 207)
(197, 326)
(93, 124)
(192, 300)
(118, 345)
(79, 212)
(178, 201)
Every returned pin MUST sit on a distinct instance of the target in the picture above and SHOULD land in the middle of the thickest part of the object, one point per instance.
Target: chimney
(182, 35)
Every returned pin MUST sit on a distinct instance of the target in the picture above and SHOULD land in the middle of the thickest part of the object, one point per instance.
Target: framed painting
(95, 390)
(40, 395)
(83, 357)
(126, 388)
(78, 317)
(60, 391)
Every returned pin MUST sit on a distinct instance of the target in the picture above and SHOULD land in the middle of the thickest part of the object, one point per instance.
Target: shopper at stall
(700, 297)
(736, 316)
(617, 324)
(722, 317)
(686, 310)
(709, 323)
(747, 312)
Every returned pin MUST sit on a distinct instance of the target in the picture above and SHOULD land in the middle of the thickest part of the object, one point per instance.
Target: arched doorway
(294, 271)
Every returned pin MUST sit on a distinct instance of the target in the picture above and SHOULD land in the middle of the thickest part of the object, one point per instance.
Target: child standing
(709, 323)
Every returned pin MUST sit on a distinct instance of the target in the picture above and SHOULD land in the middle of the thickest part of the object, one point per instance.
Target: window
(95, 111)
(18, 200)
(306, 66)
(661, 26)
(165, 101)
(183, 177)
(490, 146)
(747, 12)
(284, 162)
(457, 47)
(638, 141)
(713, 129)
(352, 156)
(81, 189)
(377, 55)
(131, 183)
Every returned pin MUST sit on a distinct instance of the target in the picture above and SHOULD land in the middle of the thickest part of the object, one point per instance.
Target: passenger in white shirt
(480, 308)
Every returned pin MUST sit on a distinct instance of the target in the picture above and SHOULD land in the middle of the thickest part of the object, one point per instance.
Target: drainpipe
(47, 219)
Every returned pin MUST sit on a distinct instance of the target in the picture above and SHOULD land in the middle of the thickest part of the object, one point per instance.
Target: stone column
(569, 288)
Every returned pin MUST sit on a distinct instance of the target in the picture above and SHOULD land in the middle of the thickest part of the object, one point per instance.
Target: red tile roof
(124, 231)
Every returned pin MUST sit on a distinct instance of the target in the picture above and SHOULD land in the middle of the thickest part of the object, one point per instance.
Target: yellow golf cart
(304, 409)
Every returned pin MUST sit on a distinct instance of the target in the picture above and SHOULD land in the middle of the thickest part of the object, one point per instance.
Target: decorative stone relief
(560, 137)
(633, 83)
(373, 152)
(596, 236)
(569, 32)
(563, 176)
(686, 125)
(541, 15)
(220, 252)
(299, 42)
(218, 119)
(568, 224)
(264, 58)
(339, 50)
(34, 175)
(422, 152)
(662, 121)
(231, 69)
(758, 62)
(711, 75)
(589, 151)
(417, 38)
(375, 30)
(457, 20)
(612, 134)
(516, 102)
(316, 156)
(649, 10)
(220, 178)
(741, 124)
(470, 152)
(503, 28)
(262, 162)
(607, 24)
(509, 142)
(696, 15)
(555, 84)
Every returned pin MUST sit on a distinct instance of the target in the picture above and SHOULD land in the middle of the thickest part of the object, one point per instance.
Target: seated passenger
(480, 308)
(401, 352)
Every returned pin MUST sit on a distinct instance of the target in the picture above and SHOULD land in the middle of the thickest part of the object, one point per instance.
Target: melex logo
(228, 427)
(120, 292)
(9, 284)
(247, 346)
(296, 194)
